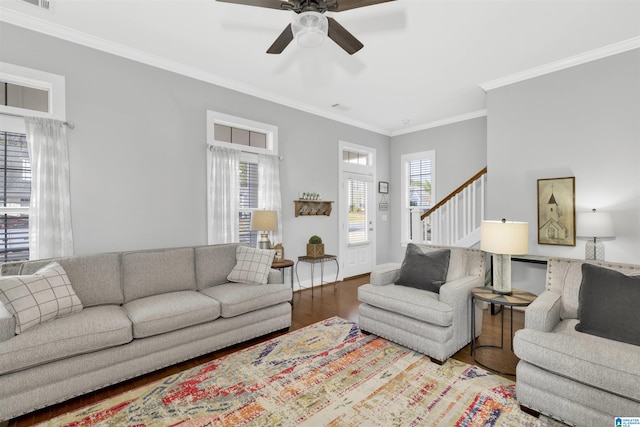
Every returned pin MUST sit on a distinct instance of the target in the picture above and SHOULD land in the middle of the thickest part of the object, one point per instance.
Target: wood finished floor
(306, 310)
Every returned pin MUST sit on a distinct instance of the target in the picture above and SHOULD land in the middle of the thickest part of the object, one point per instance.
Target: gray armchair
(437, 325)
(578, 378)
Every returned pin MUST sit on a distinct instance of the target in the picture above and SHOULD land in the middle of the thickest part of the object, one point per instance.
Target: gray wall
(461, 151)
(582, 122)
(138, 150)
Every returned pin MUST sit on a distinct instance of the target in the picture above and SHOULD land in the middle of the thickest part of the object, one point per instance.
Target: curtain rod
(70, 125)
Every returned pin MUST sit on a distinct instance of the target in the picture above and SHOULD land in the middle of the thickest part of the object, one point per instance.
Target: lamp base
(264, 242)
(594, 250)
(502, 274)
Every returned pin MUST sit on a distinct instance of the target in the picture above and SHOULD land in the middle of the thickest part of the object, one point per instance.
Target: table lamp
(263, 222)
(503, 239)
(594, 225)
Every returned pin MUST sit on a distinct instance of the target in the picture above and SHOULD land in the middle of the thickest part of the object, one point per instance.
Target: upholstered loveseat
(581, 378)
(437, 324)
(140, 311)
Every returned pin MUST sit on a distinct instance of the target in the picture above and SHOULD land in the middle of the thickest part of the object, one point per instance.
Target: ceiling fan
(310, 26)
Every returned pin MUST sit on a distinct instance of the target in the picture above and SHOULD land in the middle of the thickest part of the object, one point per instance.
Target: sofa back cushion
(462, 261)
(214, 263)
(564, 277)
(95, 278)
(146, 273)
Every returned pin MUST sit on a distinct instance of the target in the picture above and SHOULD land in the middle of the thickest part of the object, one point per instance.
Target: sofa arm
(459, 289)
(385, 274)
(543, 313)
(7, 324)
(275, 276)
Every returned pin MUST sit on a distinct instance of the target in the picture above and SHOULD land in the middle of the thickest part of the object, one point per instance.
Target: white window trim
(271, 131)
(405, 159)
(52, 83)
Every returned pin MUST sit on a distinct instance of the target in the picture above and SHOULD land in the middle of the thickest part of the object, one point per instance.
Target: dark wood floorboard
(306, 311)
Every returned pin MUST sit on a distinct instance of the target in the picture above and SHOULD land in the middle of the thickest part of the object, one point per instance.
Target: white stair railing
(455, 221)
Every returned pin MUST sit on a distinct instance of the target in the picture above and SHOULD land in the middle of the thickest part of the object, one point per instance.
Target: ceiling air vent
(42, 4)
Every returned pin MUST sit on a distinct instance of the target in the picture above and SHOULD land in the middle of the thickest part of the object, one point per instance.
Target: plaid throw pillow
(39, 297)
(252, 265)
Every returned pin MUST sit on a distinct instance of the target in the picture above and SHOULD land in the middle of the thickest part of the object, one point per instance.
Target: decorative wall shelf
(313, 207)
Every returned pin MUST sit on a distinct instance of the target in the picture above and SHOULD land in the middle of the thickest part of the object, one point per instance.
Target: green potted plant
(315, 247)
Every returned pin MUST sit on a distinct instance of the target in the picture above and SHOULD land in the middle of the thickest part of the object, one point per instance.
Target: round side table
(517, 298)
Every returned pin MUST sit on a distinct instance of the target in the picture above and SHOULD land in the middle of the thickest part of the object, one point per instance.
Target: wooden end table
(282, 265)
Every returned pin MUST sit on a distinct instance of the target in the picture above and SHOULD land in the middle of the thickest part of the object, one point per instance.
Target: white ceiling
(422, 63)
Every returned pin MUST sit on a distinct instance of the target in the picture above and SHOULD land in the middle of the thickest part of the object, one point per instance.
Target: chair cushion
(608, 304)
(424, 270)
(40, 297)
(411, 302)
(599, 362)
(162, 313)
(239, 298)
(252, 265)
(149, 273)
(92, 329)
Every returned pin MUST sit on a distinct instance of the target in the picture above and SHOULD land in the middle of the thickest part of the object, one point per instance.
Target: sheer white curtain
(269, 190)
(223, 166)
(50, 233)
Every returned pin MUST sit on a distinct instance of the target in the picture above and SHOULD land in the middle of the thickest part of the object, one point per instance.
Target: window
(418, 182)
(248, 201)
(251, 139)
(15, 194)
(23, 91)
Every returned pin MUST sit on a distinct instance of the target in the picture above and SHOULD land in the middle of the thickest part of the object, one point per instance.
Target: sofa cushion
(162, 313)
(252, 265)
(608, 304)
(411, 302)
(424, 270)
(149, 273)
(96, 278)
(599, 362)
(239, 298)
(40, 297)
(214, 263)
(92, 329)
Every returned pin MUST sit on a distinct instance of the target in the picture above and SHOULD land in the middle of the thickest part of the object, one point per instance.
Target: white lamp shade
(310, 29)
(506, 238)
(264, 221)
(594, 224)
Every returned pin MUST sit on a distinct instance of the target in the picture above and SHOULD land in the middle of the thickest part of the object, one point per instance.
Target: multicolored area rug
(327, 374)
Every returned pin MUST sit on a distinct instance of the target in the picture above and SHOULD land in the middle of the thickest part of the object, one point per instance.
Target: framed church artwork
(557, 211)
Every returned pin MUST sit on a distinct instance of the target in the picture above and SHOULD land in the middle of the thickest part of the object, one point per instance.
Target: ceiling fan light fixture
(310, 29)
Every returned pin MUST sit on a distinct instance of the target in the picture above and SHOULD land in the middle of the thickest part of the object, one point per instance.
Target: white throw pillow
(252, 265)
(39, 297)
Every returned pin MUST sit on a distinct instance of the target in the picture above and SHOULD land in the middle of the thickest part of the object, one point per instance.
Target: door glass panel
(357, 202)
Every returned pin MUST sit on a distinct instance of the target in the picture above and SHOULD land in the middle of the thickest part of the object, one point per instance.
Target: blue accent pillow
(424, 270)
(608, 304)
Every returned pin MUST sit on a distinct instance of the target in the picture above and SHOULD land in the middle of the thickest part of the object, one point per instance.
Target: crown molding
(442, 122)
(29, 22)
(603, 52)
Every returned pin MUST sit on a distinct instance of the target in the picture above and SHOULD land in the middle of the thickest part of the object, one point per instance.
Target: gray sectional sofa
(579, 378)
(142, 311)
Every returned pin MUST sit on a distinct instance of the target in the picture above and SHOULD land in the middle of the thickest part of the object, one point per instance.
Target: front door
(357, 210)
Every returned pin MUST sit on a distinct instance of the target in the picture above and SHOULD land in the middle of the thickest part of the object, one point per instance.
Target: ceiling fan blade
(271, 4)
(282, 41)
(353, 4)
(343, 38)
